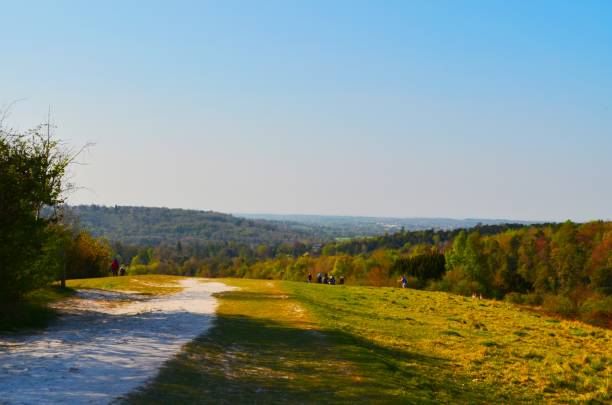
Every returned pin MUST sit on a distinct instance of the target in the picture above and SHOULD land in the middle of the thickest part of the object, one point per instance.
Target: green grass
(504, 352)
(146, 284)
(33, 311)
(276, 342)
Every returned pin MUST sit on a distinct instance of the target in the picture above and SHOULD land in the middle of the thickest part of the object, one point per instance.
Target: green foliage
(602, 280)
(158, 226)
(559, 304)
(87, 256)
(32, 168)
(424, 267)
(559, 266)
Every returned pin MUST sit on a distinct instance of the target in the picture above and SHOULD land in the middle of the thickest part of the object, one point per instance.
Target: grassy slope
(33, 311)
(292, 342)
(493, 349)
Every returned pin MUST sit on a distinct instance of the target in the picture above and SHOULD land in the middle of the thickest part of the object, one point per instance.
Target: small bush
(414, 282)
(533, 299)
(489, 343)
(596, 304)
(559, 304)
(597, 311)
(524, 299)
(515, 298)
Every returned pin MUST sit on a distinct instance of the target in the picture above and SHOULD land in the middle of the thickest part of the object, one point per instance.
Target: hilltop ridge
(155, 226)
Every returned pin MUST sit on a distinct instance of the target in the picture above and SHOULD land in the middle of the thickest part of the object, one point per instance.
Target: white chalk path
(111, 344)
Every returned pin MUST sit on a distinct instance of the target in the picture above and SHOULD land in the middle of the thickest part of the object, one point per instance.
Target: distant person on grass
(341, 282)
(115, 267)
(332, 280)
(319, 278)
(122, 270)
(325, 279)
(309, 278)
(404, 282)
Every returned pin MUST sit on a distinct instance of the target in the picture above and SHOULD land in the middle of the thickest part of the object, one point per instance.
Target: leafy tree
(87, 256)
(566, 257)
(602, 280)
(456, 255)
(32, 173)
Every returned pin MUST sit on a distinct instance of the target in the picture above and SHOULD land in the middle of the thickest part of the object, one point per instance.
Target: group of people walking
(116, 269)
(326, 279)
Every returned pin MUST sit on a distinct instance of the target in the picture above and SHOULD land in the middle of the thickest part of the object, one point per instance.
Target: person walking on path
(115, 267)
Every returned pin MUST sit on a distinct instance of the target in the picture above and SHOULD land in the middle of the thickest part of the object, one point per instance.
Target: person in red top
(115, 266)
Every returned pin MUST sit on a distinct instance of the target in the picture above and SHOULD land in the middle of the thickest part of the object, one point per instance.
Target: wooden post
(63, 280)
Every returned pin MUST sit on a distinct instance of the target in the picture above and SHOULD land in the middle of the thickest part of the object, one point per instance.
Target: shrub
(597, 310)
(378, 277)
(533, 299)
(515, 298)
(414, 282)
(559, 304)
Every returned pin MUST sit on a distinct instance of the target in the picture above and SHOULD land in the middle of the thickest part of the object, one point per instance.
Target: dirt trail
(107, 344)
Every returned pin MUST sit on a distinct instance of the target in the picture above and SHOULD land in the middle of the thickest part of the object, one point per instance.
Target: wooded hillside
(155, 226)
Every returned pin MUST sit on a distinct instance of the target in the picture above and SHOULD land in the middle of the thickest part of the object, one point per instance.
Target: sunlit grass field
(486, 349)
(293, 342)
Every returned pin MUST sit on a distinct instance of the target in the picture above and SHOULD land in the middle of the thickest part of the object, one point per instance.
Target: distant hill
(350, 227)
(154, 226)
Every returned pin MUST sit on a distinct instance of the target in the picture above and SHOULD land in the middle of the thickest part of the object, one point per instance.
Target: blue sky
(407, 108)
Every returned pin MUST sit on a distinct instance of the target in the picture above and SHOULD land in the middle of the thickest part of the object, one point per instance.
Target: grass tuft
(489, 343)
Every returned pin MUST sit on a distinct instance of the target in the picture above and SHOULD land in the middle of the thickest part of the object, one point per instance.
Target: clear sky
(498, 109)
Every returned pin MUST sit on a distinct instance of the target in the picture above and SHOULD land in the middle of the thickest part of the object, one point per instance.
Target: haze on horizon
(403, 109)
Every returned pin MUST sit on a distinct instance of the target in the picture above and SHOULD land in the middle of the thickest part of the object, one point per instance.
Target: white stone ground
(107, 345)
